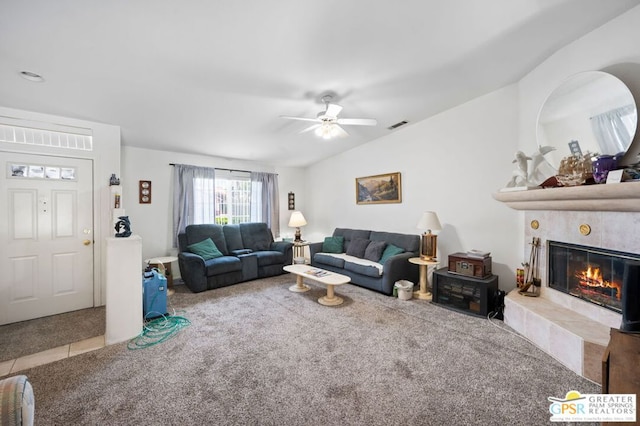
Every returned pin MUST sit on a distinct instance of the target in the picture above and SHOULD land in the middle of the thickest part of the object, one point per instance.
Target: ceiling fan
(328, 125)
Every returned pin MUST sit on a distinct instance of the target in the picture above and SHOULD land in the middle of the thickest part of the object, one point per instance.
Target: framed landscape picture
(379, 189)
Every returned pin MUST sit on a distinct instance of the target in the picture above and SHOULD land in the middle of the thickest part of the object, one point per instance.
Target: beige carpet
(29, 337)
(259, 354)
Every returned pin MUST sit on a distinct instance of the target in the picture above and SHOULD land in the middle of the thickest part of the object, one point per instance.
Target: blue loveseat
(372, 259)
(243, 252)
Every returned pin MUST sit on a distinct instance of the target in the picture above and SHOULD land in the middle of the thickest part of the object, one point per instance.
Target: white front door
(46, 235)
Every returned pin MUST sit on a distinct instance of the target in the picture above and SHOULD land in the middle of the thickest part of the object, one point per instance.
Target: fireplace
(592, 274)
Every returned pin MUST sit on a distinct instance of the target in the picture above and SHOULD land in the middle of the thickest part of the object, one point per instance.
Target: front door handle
(86, 242)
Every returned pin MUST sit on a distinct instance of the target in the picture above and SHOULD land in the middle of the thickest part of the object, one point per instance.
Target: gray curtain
(192, 183)
(610, 131)
(265, 205)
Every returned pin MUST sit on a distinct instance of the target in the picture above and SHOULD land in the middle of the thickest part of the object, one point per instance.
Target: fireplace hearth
(592, 274)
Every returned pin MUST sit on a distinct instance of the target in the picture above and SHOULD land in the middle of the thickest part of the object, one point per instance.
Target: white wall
(450, 163)
(612, 48)
(153, 222)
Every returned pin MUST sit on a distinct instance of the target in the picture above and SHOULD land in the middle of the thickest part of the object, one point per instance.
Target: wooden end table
(425, 291)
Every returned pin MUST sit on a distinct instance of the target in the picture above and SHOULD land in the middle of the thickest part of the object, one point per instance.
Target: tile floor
(29, 361)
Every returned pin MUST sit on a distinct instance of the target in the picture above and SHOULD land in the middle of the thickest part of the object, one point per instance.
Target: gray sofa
(246, 251)
(369, 273)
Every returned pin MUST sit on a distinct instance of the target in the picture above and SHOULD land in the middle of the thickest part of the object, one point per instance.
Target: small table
(298, 251)
(330, 279)
(165, 261)
(424, 293)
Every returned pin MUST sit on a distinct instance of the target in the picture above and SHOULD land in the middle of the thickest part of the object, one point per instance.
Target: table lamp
(428, 246)
(297, 220)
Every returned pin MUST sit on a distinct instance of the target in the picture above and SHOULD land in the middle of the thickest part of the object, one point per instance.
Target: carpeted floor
(29, 337)
(259, 354)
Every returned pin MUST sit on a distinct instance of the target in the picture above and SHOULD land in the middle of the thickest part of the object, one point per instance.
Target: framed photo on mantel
(379, 189)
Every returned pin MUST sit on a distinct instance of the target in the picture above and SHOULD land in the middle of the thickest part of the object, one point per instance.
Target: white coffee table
(330, 279)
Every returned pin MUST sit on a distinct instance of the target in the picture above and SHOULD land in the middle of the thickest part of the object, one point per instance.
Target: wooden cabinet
(466, 294)
(620, 372)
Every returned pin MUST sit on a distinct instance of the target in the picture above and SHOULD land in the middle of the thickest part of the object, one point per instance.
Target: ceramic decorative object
(602, 166)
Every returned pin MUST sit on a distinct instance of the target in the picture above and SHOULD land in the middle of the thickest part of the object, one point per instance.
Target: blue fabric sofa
(247, 251)
(380, 275)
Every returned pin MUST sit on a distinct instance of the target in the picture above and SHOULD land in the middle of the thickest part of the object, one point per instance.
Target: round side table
(165, 261)
(425, 291)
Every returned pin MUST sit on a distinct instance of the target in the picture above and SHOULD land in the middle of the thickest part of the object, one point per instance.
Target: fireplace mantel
(617, 197)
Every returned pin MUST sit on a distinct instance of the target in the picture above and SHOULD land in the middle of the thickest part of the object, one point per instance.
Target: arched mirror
(591, 111)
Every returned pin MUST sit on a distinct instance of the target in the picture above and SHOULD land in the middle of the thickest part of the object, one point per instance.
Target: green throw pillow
(206, 249)
(390, 251)
(333, 245)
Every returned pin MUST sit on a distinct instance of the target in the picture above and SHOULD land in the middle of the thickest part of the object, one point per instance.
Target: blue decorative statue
(123, 227)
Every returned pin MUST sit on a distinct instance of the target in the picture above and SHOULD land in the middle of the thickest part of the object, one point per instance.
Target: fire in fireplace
(593, 274)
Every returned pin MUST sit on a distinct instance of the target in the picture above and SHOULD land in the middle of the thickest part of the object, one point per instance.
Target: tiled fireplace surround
(573, 331)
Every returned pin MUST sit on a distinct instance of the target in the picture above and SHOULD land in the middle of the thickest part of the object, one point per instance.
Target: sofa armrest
(398, 268)
(314, 248)
(284, 247)
(281, 246)
(192, 271)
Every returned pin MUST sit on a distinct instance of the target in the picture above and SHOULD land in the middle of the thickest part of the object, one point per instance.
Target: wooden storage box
(471, 266)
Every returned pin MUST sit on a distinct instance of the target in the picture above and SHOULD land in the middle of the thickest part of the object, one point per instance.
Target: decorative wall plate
(585, 229)
(144, 192)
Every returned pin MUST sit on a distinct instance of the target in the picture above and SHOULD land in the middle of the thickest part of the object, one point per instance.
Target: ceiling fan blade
(299, 118)
(310, 128)
(358, 121)
(333, 110)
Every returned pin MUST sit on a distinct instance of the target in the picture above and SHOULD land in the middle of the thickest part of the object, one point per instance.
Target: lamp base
(298, 236)
(428, 248)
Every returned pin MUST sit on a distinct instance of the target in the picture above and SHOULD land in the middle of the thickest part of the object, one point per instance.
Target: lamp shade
(297, 219)
(430, 221)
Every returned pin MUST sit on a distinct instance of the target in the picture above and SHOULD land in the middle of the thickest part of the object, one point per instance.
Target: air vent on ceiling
(395, 126)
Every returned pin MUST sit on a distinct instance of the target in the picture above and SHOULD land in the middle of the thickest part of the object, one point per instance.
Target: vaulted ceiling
(213, 77)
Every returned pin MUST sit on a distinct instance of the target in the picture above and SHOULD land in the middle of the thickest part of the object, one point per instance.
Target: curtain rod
(229, 170)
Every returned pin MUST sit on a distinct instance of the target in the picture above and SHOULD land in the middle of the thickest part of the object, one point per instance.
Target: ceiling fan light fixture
(326, 131)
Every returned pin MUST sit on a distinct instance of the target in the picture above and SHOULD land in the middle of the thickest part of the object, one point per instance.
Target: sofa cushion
(270, 257)
(350, 234)
(328, 259)
(233, 238)
(357, 247)
(256, 236)
(333, 245)
(408, 242)
(374, 250)
(197, 233)
(205, 249)
(390, 251)
(363, 267)
(222, 265)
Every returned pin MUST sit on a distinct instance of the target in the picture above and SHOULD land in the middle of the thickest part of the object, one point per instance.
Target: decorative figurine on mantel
(525, 177)
(123, 227)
